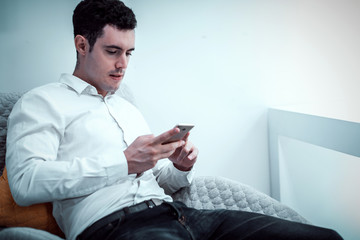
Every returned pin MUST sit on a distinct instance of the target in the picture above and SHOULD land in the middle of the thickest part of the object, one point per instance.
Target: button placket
(108, 106)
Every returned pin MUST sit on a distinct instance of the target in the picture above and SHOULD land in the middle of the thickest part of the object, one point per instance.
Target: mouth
(117, 77)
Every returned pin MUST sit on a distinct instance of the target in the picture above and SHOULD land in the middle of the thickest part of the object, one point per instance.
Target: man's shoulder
(50, 90)
(39, 101)
(49, 87)
(48, 94)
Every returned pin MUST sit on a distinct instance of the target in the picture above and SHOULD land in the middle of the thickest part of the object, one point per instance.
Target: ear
(81, 44)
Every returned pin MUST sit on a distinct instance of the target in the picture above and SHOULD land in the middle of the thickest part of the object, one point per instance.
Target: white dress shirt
(65, 145)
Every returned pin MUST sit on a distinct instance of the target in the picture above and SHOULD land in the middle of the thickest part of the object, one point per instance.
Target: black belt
(118, 215)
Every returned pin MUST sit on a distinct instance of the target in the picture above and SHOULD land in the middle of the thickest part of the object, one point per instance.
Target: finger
(185, 151)
(166, 135)
(185, 138)
(168, 152)
(194, 154)
(165, 155)
(172, 146)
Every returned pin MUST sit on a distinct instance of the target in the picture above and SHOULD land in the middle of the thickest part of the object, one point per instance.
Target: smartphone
(184, 129)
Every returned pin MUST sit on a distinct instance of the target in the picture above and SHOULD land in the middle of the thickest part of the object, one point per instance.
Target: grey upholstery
(24, 233)
(208, 192)
(7, 101)
(204, 192)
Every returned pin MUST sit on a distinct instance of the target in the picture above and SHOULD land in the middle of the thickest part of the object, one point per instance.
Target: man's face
(104, 67)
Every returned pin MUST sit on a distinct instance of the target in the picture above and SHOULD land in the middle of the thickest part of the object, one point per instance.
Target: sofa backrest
(7, 101)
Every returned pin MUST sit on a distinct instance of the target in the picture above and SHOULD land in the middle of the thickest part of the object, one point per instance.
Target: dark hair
(91, 16)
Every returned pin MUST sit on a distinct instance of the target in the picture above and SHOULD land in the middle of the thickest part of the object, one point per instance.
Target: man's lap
(176, 221)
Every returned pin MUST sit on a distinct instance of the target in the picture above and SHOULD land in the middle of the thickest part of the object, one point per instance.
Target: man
(79, 145)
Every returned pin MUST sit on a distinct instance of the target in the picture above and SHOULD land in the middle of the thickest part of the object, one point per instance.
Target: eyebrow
(119, 48)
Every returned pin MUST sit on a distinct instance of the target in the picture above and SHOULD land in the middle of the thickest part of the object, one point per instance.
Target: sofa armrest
(203, 193)
(210, 192)
(19, 233)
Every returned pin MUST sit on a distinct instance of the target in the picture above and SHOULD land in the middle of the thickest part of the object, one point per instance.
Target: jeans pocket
(106, 231)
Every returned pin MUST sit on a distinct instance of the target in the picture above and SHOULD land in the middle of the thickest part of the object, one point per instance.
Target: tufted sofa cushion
(7, 101)
(221, 193)
(26, 233)
(204, 193)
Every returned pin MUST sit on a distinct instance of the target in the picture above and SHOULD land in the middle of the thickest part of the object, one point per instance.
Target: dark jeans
(176, 221)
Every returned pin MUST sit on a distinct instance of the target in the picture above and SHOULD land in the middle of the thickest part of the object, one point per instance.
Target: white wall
(315, 162)
(217, 64)
(36, 42)
(331, 200)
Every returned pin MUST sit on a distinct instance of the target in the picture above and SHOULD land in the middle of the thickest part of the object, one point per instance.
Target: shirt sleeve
(35, 131)
(170, 178)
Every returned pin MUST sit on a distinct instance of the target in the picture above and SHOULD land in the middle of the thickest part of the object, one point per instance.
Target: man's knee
(333, 235)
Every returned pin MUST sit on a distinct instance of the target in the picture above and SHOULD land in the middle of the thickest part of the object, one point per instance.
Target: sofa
(205, 192)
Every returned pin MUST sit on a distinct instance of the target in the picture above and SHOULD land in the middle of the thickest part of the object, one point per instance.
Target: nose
(121, 62)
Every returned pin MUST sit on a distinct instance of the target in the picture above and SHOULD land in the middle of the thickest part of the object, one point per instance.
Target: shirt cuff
(188, 175)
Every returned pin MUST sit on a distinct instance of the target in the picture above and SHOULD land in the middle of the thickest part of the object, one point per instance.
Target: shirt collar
(77, 84)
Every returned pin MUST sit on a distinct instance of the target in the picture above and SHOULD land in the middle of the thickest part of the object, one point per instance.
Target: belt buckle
(150, 203)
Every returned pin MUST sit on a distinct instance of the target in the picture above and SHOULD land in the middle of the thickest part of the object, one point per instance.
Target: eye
(111, 52)
(129, 54)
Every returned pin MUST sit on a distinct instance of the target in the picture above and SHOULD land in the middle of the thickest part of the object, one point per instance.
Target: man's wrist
(183, 169)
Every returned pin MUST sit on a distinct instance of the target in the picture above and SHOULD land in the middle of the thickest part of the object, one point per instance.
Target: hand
(185, 156)
(146, 151)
